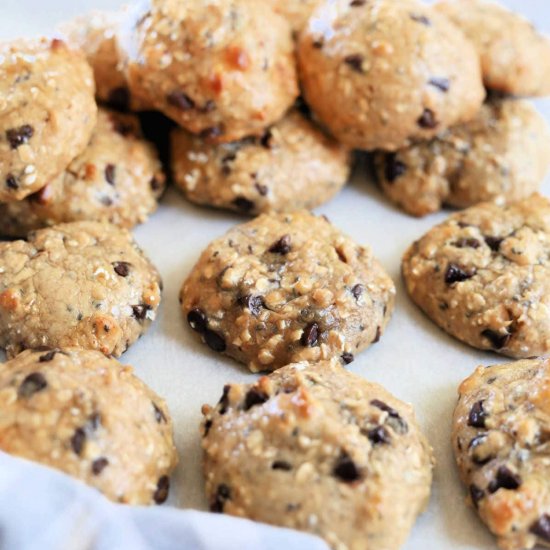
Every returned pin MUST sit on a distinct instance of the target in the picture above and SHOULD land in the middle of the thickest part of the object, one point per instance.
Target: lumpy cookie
(292, 166)
(47, 113)
(82, 284)
(296, 12)
(500, 439)
(90, 417)
(316, 448)
(381, 73)
(222, 69)
(118, 178)
(483, 276)
(286, 288)
(515, 58)
(502, 155)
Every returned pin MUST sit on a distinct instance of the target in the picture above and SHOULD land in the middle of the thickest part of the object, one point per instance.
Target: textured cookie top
(224, 69)
(294, 165)
(118, 179)
(381, 73)
(316, 448)
(90, 417)
(47, 113)
(515, 58)
(483, 276)
(83, 284)
(283, 288)
(500, 438)
(502, 155)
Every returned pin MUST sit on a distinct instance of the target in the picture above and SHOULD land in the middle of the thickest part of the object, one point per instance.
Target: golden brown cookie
(381, 73)
(90, 417)
(118, 179)
(285, 288)
(316, 448)
(294, 165)
(47, 113)
(484, 276)
(502, 155)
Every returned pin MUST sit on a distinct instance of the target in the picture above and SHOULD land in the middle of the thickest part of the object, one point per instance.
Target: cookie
(215, 67)
(483, 276)
(381, 73)
(90, 417)
(515, 58)
(296, 12)
(118, 179)
(285, 288)
(502, 155)
(47, 113)
(500, 439)
(81, 284)
(292, 166)
(316, 448)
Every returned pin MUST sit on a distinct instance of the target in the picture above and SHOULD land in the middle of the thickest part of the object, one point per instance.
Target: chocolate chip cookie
(81, 284)
(285, 288)
(502, 155)
(483, 276)
(381, 73)
(90, 417)
(316, 448)
(292, 166)
(47, 113)
(118, 178)
(500, 439)
(515, 58)
(222, 69)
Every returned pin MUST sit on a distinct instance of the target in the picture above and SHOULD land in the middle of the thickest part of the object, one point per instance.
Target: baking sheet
(414, 359)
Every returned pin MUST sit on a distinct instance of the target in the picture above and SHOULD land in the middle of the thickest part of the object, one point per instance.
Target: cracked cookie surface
(83, 284)
(284, 288)
(500, 439)
(316, 448)
(502, 155)
(90, 417)
(483, 276)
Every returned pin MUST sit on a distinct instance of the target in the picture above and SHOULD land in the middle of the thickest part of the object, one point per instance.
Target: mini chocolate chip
(207, 426)
(541, 527)
(155, 184)
(123, 128)
(94, 421)
(345, 469)
(394, 167)
(281, 465)
(379, 436)
(180, 100)
(357, 291)
(505, 479)
(163, 488)
(394, 418)
(224, 399)
(467, 243)
(159, 414)
(119, 98)
(477, 415)
(420, 19)
(476, 494)
(455, 274)
(442, 83)
(140, 311)
(318, 44)
(310, 335)
(355, 61)
(475, 442)
(47, 356)
(212, 133)
(223, 494)
(262, 189)
(347, 357)
(77, 440)
(494, 243)
(122, 268)
(427, 120)
(11, 182)
(376, 338)
(33, 383)
(110, 172)
(214, 341)
(498, 340)
(243, 204)
(99, 465)
(267, 139)
(19, 136)
(197, 320)
(253, 303)
(282, 246)
(254, 397)
(357, 3)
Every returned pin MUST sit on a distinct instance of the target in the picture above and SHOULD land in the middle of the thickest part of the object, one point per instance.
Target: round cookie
(292, 166)
(381, 73)
(90, 417)
(515, 58)
(502, 155)
(500, 439)
(483, 276)
(81, 284)
(316, 448)
(47, 113)
(296, 12)
(118, 179)
(285, 288)
(215, 67)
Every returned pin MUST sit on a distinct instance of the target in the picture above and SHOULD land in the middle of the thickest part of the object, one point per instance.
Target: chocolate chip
(224, 399)
(476, 494)
(505, 479)
(281, 465)
(282, 246)
(110, 172)
(262, 189)
(376, 338)
(123, 128)
(494, 243)
(345, 469)
(347, 357)
(378, 436)
(467, 243)
(19, 136)
(212, 133)
(180, 100)
(267, 139)
(477, 415)
(223, 494)
(253, 303)
(357, 291)
(394, 418)
(122, 268)
(197, 320)
(163, 488)
(155, 183)
(11, 182)
(355, 61)
(243, 204)
(427, 120)
(99, 465)
(497, 339)
(106, 201)
(442, 83)
(94, 421)
(208, 107)
(541, 527)
(207, 426)
(455, 274)
(318, 44)
(214, 341)
(394, 168)
(47, 357)
(159, 414)
(421, 19)
(140, 311)
(254, 397)
(475, 442)
(77, 440)
(357, 3)
(33, 383)
(310, 335)
(119, 98)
